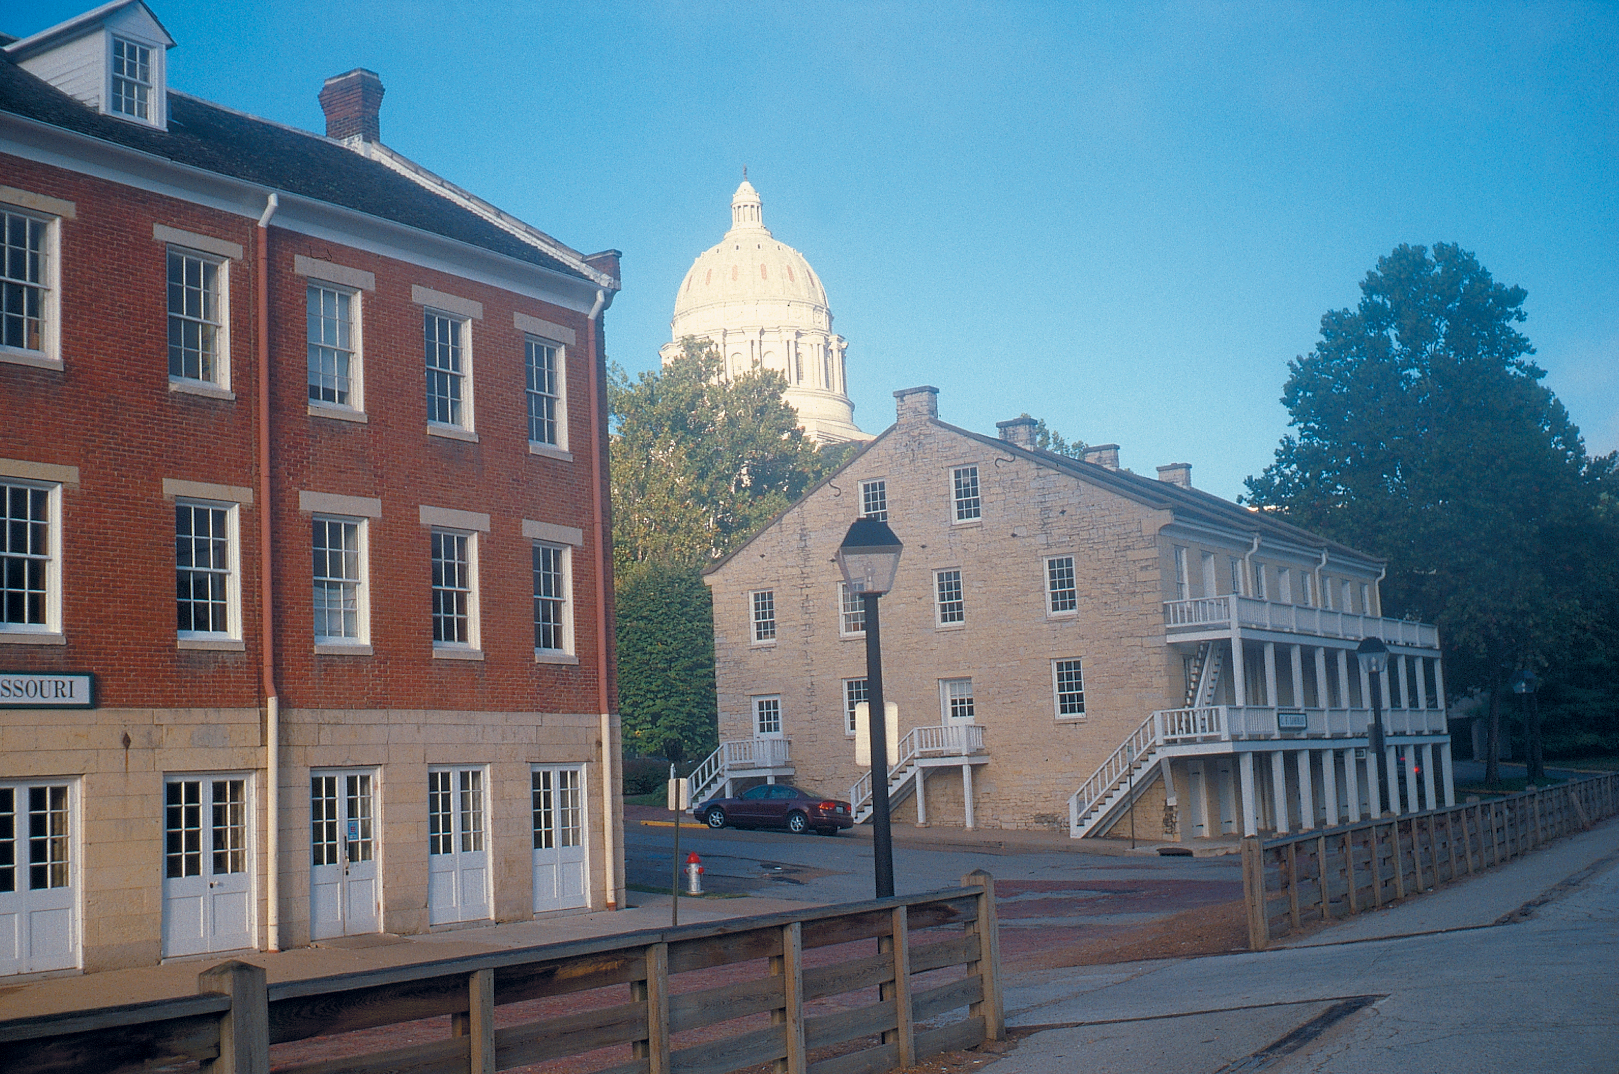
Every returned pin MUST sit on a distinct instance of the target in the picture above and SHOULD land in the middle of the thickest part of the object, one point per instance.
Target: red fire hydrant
(694, 874)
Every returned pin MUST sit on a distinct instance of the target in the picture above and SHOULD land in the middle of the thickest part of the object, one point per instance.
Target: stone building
(304, 611)
(1060, 638)
(759, 302)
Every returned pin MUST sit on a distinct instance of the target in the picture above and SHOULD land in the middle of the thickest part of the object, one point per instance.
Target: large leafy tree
(665, 661)
(1424, 435)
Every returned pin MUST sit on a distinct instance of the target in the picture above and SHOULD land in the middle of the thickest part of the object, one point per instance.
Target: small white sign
(679, 794)
(47, 690)
(1292, 721)
(862, 732)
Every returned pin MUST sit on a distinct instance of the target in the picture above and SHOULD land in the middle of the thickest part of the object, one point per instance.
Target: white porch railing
(1182, 615)
(741, 754)
(1226, 722)
(1142, 741)
(932, 740)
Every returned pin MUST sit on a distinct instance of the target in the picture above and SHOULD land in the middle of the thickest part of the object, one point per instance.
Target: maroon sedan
(777, 805)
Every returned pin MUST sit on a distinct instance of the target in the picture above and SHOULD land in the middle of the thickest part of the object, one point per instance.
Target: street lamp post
(1524, 684)
(1374, 660)
(869, 559)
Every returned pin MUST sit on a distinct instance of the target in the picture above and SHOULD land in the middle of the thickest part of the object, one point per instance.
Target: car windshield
(755, 793)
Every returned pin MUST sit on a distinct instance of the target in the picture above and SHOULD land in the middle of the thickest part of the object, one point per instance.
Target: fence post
(1293, 884)
(1321, 869)
(654, 991)
(898, 943)
(1399, 859)
(791, 968)
(1253, 887)
(988, 966)
(1349, 873)
(244, 1030)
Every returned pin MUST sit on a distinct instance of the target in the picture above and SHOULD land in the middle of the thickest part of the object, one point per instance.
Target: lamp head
(1373, 655)
(1524, 682)
(869, 557)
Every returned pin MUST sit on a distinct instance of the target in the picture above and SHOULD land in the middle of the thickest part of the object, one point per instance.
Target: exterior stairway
(740, 759)
(922, 745)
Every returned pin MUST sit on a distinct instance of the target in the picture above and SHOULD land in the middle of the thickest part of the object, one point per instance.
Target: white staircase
(1110, 784)
(740, 759)
(1204, 681)
(920, 745)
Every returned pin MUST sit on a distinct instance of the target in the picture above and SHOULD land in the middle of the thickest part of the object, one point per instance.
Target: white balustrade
(1297, 619)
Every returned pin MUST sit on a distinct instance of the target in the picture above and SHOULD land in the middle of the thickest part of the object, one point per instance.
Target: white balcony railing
(1215, 612)
(929, 740)
(741, 754)
(1222, 723)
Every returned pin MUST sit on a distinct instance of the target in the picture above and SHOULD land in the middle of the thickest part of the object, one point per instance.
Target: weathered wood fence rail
(231, 1024)
(1335, 872)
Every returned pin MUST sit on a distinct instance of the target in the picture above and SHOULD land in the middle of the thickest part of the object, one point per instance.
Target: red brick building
(305, 625)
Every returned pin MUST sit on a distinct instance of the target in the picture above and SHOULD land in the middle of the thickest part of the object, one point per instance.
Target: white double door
(38, 917)
(207, 879)
(457, 845)
(558, 795)
(344, 892)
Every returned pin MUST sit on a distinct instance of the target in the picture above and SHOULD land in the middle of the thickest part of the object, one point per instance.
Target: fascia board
(1231, 540)
(44, 143)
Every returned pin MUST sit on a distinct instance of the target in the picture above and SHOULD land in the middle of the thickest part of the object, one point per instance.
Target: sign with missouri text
(47, 690)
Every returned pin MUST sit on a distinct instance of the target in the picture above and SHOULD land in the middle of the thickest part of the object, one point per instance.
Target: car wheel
(714, 818)
(797, 823)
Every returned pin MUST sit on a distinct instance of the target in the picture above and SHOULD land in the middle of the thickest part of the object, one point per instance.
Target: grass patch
(651, 798)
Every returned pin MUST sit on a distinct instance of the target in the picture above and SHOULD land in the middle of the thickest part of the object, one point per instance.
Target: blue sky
(1124, 218)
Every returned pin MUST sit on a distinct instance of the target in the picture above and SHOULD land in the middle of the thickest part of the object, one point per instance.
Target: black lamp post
(1374, 660)
(1524, 684)
(869, 559)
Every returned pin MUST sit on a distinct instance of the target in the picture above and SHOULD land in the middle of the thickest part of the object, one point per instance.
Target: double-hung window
(951, 609)
(964, 483)
(197, 349)
(131, 80)
(874, 500)
(30, 558)
(957, 696)
(553, 626)
(854, 693)
(26, 309)
(764, 617)
(455, 590)
(767, 715)
(448, 394)
(341, 613)
(207, 584)
(543, 371)
(851, 612)
(334, 367)
(1182, 588)
(1062, 595)
(1068, 686)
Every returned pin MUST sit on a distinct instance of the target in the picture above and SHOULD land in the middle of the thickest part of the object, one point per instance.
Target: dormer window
(131, 79)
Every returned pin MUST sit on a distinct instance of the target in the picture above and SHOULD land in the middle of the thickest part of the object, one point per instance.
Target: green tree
(1425, 436)
(1048, 439)
(666, 661)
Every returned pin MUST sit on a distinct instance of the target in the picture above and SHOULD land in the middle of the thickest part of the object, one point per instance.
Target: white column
(1405, 682)
(1297, 654)
(1351, 786)
(1323, 692)
(967, 793)
(1250, 825)
(1383, 685)
(921, 795)
(1438, 679)
(1393, 771)
(1278, 786)
(1343, 678)
(1374, 807)
(1329, 786)
(1410, 779)
(1306, 790)
(1366, 689)
(1239, 667)
(1270, 673)
(1449, 776)
(1422, 683)
(1427, 775)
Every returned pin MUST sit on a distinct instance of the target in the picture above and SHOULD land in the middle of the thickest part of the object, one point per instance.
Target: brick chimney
(606, 261)
(351, 102)
(1177, 473)
(1103, 455)
(917, 404)
(1019, 432)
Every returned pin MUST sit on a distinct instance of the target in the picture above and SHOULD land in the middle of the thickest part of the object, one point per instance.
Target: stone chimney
(1103, 455)
(1019, 432)
(351, 102)
(917, 404)
(1177, 473)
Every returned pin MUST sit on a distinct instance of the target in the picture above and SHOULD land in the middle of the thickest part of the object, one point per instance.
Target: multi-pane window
(874, 500)
(337, 580)
(182, 823)
(958, 699)
(851, 611)
(323, 820)
(1182, 590)
(1326, 593)
(558, 806)
(1365, 599)
(131, 79)
(544, 392)
(1069, 684)
(951, 608)
(471, 810)
(1346, 593)
(452, 588)
(1284, 585)
(25, 557)
(767, 715)
(202, 568)
(455, 811)
(764, 616)
(22, 282)
(446, 374)
(1306, 590)
(332, 365)
(550, 598)
(1259, 581)
(854, 692)
(1236, 575)
(440, 813)
(194, 318)
(45, 808)
(964, 481)
(1062, 595)
(230, 826)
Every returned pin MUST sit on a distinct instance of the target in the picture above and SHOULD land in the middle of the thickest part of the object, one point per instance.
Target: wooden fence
(646, 1028)
(1334, 872)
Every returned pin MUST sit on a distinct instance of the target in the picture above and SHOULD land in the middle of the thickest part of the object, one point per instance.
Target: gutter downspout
(1377, 587)
(272, 701)
(1248, 567)
(1320, 592)
(598, 536)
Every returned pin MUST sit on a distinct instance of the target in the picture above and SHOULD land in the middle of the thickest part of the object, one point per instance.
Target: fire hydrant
(694, 874)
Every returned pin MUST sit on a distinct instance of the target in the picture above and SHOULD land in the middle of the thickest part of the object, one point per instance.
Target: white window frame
(761, 704)
(231, 636)
(48, 353)
(1347, 592)
(1366, 598)
(851, 687)
(966, 508)
(1208, 575)
(1183, 585)
(1052, 592)
(851, 610)
(466, 423)
(1236, 575)
(362, 586)
(757, 626)
(153, 83)
(1259, 580)
(559, 357)
(51, 629)
(220, 381)
(874, 492)
(565, 626)
(356, 351)
(472, 647)
(1057, 690)
(1284, 585)
(949, 693)
(1306, 589)
(939, 601)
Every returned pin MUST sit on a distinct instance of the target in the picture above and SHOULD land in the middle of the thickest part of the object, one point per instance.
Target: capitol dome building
(760, 303)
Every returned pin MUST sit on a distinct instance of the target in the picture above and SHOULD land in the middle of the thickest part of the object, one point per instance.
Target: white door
(343, 890)
(207, 897)
(457, 846)
(559, 838)
(38, 924)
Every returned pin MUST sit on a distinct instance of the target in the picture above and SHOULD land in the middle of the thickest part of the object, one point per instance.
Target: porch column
(1383, 684)
(1394, 780)
(1439, 680)
(1329, 786)
(1170, 800)
(1411, 779)
(1449, 774)
(1323, 691)
(1374, 809)
(1278, 784)
(1306, 788)
(1250, 825)
(1343, 678)
(1427, 775)
(921, 797)
(967, 793)
(1297, 653)
(1270, 673)
(1366, 690)
(1422, 684)
(1239, 672)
